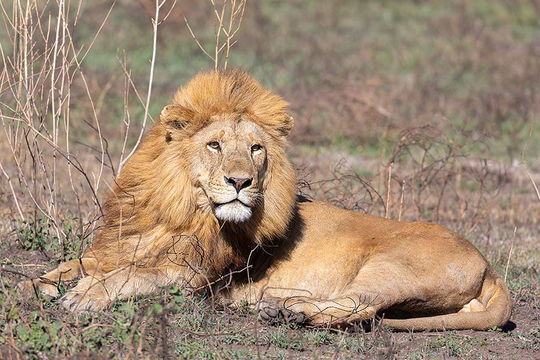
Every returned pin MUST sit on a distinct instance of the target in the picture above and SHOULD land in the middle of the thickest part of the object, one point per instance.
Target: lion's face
(229, 165)
(221, 147)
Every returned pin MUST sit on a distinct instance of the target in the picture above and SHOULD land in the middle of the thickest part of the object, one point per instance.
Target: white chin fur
(233, 212)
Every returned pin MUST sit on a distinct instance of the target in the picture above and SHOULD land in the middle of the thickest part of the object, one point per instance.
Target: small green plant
(37, 335)
(355, 343)
(35, 235)
(452, 343)
(40, 235)
(319, 337)
(284, 340)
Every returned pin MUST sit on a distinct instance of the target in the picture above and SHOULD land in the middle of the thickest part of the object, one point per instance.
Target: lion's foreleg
(316, 312)
(66, 271)
(98, 292)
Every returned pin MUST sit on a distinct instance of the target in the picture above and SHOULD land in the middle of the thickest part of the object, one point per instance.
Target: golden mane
(155, 200)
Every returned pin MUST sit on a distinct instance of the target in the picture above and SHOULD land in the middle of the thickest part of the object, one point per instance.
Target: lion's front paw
(273, 311)
(89, 295)
(29, 288)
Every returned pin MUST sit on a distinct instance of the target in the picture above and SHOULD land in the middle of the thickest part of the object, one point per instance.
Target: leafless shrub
(38, 75)
(426, 173)
(229, 18)
(46, 99)
(345, 189)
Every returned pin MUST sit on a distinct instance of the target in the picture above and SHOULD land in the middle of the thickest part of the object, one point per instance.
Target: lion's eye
(214, 145)
(256, 147)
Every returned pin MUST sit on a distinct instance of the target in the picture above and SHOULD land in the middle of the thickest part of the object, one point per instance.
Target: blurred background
(356, 73)
(411, 110)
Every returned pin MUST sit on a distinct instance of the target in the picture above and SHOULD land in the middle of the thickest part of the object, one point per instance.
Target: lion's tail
(494, 296)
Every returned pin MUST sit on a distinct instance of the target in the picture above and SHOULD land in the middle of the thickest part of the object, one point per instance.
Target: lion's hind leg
(315, 312)
(67, 271)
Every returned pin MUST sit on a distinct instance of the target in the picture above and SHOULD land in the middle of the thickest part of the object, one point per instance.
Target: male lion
(208, 202)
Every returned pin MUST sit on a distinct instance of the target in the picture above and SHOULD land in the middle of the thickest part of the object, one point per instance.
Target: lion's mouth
(233, 211)
(234, 201)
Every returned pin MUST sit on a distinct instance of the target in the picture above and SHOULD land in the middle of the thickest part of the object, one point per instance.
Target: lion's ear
(175, 117)
(287, 125)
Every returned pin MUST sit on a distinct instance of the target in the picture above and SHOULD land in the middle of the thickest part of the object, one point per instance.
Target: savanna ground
(413, 110)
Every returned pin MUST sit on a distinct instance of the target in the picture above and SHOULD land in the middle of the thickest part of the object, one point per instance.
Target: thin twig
(155, 24)
(533, 183)
(510, 254)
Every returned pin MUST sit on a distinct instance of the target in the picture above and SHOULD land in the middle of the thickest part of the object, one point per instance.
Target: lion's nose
(238, 183)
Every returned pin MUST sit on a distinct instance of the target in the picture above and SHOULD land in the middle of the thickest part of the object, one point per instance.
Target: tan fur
(176, 217)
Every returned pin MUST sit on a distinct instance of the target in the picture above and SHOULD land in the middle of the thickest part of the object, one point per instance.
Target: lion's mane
(154, 200)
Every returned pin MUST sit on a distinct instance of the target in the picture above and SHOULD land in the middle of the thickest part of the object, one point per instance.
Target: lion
(208, 202)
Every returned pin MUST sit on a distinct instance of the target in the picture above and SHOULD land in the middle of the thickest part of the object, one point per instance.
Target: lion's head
(214, 156)
(231, 165)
